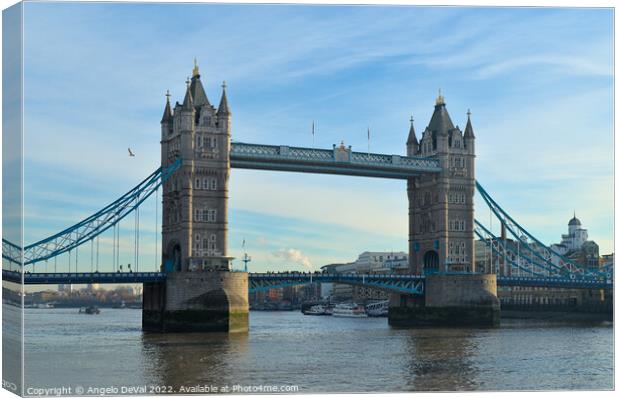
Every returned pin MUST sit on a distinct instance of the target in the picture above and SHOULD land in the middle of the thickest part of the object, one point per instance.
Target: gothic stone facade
(441, 206)
(194, 224)
(199, 294)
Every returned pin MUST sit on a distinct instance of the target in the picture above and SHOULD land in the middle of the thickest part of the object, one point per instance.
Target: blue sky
(539, 83)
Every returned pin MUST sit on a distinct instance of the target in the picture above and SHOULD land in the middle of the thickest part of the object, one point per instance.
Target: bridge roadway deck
(338, 160)
(259, 281)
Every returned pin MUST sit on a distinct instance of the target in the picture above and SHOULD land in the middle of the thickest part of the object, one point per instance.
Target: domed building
(575, 238)
(576, 245)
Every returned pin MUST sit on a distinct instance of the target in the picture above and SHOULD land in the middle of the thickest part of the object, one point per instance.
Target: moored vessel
(349, 310)
(317, 310)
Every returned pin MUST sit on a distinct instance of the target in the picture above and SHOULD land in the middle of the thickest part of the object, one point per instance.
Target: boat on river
(379, 308)
(91, 310)
(349, 310)
(317, 310)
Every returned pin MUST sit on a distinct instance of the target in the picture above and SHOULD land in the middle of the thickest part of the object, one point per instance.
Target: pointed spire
(188, 101)
(412, 139)
(167, 117)
(198, 92)
(469, 131)
(440, 121)
(440, 99)
(195, 71)
(222, 109)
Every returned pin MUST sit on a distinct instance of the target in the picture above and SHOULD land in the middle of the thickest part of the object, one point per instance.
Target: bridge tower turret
(195, 227)
(441, 207)
(200, 292)
(441, 233)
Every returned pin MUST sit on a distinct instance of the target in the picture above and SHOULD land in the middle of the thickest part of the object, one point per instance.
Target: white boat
(317, 310)
(45, 306)
(379, 308)
(349, 310)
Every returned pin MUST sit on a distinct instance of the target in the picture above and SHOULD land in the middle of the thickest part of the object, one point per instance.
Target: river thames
(307, 354)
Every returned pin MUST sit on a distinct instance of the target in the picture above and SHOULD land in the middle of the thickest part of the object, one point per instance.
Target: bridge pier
(202, 301)
(449, 300)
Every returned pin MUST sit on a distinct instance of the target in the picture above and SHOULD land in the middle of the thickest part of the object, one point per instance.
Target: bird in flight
(130, 153)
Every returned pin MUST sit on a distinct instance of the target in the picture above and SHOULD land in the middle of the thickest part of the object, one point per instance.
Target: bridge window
(212, 215)
(205, 183)
(207, 142)
(212, 245)
(213, 184)
(197, 183)
(197, 244)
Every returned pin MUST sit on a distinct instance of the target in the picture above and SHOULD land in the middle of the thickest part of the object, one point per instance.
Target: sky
(538, 81)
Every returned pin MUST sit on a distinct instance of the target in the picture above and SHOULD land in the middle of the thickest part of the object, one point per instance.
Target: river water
(293, 352)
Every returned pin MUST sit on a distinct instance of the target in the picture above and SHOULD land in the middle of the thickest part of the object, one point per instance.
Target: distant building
(607, 261)
(274, 294)
(92, 286)
(65, 288)
(576, 246)
(327, 289)
(366, 263)
(575, 238)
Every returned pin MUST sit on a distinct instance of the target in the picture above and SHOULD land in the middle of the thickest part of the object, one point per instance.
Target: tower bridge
(195, 288)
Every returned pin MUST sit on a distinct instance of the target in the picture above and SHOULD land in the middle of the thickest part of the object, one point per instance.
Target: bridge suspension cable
(493, 243)
(97, 263)
(92, 226)
(136, 238)
(156, 230)
(564, 265)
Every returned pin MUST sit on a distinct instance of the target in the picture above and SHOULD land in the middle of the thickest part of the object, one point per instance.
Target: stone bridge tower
(441, 207)
(195, 198)
(441, 233)
(200, 292)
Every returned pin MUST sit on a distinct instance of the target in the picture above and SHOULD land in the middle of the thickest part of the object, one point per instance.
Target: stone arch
(173, 257)
(431, 261)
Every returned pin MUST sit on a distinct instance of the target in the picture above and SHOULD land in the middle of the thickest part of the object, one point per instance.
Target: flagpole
(313, 134)
(368, 142)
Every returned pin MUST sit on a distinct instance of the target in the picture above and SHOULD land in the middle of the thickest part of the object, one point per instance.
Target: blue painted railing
(410, 284)
(339, 160)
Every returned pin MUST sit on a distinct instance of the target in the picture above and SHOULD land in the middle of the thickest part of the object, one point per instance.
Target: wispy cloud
(293, 256)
